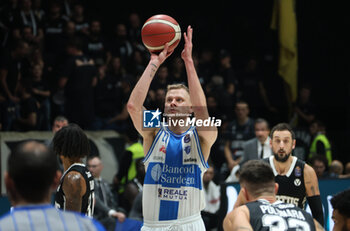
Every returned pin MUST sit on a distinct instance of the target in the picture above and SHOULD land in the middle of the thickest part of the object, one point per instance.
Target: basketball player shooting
(175, 156)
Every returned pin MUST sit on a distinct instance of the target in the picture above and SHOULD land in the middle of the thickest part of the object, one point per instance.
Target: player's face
(282, 145)
(177, 101)
(340, 222)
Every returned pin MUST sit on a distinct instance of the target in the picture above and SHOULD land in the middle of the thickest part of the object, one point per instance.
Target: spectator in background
(134, 32)
(250, 86)
(107, 99)
(341, 211)
(13, 67)
(31, 176)
(58, 123)
(78, 79)
(337, 168)
(161, 81)
(258, 147)
(120, 46)
(304, 109)
(238, 131)
(27, 35)
(137, 63)
(26, 17)
(96, 43)
(28, 107)
(228, 100)
(212, 199)
(320, 143)
(320, 164)
(347, 168)
(225, 69)
(42, 94)
(206, 68)
(78, 17)
(106, 207)
(54, 24)
(178, 72)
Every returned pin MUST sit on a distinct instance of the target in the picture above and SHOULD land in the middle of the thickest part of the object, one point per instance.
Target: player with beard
(297, 180)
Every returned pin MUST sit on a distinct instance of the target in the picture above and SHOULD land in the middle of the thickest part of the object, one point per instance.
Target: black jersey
(87, 205)
(291, 186)
(265, 216)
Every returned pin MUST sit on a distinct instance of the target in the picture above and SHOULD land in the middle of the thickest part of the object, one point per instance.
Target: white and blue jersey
(173, 187)
(46, 217)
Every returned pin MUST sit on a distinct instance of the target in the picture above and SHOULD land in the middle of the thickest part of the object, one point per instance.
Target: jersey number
(276, 223)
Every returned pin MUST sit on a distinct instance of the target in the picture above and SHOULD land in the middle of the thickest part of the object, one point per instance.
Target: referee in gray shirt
(32, 173)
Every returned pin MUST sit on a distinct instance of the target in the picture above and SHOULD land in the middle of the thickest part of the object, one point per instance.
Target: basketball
(159, 30)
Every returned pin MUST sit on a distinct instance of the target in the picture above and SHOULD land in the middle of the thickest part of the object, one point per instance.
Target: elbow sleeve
(316, 208)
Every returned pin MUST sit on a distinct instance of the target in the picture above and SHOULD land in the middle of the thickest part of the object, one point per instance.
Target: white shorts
(191, 223)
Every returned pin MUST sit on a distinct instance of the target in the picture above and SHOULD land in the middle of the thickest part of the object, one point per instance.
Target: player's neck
(282, 167)
(67, 162)
(22, 202)
(270, 199)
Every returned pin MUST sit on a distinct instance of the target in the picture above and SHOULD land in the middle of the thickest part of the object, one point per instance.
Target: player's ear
(276, 188)
(294, 142)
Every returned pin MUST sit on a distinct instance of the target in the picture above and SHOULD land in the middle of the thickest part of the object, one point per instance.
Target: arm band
(316, 208)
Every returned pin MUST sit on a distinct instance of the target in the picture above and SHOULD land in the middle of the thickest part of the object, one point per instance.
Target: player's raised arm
(139, 93)
(313, 193)
(199, 104)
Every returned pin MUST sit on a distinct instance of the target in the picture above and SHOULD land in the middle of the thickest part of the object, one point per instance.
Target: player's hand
(186, 54)
(158, 59)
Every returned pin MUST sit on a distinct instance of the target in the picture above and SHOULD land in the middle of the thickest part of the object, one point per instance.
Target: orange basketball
(159, 30)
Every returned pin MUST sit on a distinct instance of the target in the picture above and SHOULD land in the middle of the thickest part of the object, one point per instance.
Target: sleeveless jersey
(291, 186)
(87, 205)
(173, 187)
(265, 216)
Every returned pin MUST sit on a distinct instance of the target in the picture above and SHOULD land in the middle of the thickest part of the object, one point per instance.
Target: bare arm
(318, 226)
(74, 187)
(231, 163)
(139, 93)
(313, 194)
(311, 182)
(207, 136)
(238, 220)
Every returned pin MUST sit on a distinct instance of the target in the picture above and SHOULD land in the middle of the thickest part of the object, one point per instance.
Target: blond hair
(177, 86)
